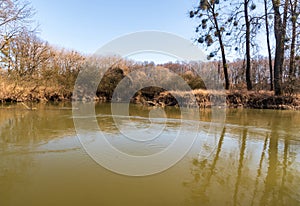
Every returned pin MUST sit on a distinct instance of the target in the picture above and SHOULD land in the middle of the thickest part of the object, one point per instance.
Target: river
(252, 158)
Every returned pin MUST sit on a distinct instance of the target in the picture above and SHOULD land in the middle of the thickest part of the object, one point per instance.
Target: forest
(253, 75)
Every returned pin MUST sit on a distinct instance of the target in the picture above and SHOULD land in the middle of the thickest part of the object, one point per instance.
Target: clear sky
(86, 25)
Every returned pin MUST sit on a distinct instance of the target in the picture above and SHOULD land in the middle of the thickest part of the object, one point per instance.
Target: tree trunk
(279, 30)
(284, 25)
(293, 43)
(224, 62)
(248, 55)
(268, 45)
(225, 66)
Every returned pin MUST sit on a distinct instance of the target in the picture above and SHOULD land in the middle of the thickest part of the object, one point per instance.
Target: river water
(252, 158)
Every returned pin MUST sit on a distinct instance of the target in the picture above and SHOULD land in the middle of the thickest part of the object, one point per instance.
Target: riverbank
(160, 98)
(230, 99)
(33, 93)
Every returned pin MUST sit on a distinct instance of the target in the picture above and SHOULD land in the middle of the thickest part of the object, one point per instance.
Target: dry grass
(234, 98)
(29, 91)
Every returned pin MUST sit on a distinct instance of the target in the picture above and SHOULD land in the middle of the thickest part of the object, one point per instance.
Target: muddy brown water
(252, 159)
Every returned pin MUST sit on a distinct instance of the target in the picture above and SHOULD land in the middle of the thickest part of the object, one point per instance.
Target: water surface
(252, 159)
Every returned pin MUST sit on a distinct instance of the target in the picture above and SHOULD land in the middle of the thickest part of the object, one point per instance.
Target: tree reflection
(240, 167)
(259, 170)
(284, 172)
(271, 178)
(20, 126)
(203, 180)
(263, 169)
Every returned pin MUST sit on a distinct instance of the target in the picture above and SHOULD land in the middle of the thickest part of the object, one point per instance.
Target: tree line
(30, 64)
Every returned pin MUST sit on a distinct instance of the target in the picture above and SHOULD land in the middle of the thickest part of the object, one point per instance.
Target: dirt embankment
(231, 99)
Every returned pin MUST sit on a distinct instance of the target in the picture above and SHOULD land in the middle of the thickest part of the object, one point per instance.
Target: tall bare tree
(247, 36)
(212, 30)
(247, 22)
(280, 21)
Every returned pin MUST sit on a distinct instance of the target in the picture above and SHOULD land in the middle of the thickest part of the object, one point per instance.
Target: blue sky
(87, 25)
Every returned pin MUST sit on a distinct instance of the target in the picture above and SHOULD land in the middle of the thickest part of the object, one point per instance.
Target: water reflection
(240, 167)
(23, 135)
(258, 168)
(21, 126)
(255, 160)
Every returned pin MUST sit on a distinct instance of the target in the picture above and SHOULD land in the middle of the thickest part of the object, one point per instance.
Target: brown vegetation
(234, 99)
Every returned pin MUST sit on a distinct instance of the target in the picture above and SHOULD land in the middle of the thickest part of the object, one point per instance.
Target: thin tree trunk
(268, 45)
(248, 55)
(284, 25)
(293, 43)
(225, 66)
(224, 62)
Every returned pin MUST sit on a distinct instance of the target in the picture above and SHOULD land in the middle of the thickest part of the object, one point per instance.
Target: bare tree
(247, 22)
(15, 15)
(247, 36)
(209, 14)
